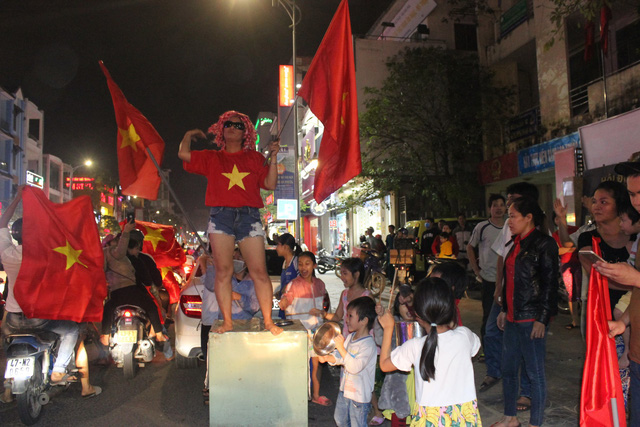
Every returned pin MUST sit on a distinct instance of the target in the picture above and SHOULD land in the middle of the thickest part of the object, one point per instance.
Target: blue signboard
(540, 158)
(287, 210)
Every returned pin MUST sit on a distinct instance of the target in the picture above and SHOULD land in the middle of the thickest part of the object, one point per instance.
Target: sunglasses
(237, 125)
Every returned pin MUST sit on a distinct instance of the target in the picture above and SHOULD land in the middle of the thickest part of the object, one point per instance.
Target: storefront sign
(318, 209)
(498, 169)
(540, 157)
(285, 186)
(35, 180)
(286, 86)
(333, 223)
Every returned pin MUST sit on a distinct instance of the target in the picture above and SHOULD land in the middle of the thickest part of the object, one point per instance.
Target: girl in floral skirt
(444, 383)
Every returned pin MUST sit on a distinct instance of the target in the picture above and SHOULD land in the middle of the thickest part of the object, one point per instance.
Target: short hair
(628, 209)
(524, 189)
(493, 197)
(365, 307)
(430, 218)
(392, 226)
(617, 191)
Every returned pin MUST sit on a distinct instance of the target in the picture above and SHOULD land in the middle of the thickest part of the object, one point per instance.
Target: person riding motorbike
(15, 320)
(121, 279)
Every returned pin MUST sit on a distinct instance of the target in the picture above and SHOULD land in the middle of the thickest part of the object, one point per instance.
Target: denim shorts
(237, 222)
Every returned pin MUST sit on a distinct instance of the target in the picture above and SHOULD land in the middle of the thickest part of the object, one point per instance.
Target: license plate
(125, 337)
(20, 368)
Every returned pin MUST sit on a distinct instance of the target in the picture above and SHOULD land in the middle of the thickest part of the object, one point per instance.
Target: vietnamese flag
(161, 244)
(600, 377)
(330, 90)
(170, 284)
(138, 174)
(62, 272)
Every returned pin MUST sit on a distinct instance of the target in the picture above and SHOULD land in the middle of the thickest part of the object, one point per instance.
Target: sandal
(488, 382)
(322, 400)
(65, 380)
(376, 421)
(570, 326)
(523, 403)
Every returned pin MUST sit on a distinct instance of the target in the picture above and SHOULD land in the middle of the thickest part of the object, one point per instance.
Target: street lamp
(290, 7)
(86, 163)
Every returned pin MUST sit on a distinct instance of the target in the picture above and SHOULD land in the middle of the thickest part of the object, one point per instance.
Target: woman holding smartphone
(607, 199)
(235, 173)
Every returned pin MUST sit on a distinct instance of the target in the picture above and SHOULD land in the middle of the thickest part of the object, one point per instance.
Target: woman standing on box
(235, 174)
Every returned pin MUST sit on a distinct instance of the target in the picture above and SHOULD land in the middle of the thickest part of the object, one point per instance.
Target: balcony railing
(520, 12)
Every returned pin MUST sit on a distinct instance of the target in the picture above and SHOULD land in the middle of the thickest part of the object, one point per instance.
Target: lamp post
(290, 7)
(86, 163)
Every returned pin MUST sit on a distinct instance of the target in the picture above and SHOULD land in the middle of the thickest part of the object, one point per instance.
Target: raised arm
(271, 179)
(184, 152)
(11, 209)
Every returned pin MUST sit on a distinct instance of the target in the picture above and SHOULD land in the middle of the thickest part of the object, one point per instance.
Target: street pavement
(162, 395)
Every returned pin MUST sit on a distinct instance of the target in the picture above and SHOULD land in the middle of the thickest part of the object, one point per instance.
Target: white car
(187, 318)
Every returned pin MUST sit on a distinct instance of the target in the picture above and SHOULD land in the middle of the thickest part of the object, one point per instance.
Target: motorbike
(30, 359)
(326, 262)
(129, 342)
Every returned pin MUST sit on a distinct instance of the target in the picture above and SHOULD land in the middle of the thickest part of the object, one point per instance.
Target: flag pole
(175, 198)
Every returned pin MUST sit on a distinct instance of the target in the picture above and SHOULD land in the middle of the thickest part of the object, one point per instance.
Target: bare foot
(225, 327)
(507, 422)
(271, 327)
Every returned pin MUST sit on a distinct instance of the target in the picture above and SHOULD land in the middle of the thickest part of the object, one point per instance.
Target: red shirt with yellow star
(234, 179)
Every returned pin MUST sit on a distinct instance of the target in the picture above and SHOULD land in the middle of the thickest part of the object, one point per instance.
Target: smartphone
(131, 217)
(590, 255)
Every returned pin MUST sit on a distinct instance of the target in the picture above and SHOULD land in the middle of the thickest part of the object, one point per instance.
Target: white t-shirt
(454, 379)
(503, 243)
(11, 256)
(483, 236)
(359, 368)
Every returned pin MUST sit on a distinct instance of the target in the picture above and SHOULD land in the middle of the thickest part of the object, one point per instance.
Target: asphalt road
(162, 395)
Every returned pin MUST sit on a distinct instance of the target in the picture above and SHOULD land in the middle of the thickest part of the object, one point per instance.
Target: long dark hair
(454, 274)
(434, 303)
(312, 257)
(354, 265)
(287, 239)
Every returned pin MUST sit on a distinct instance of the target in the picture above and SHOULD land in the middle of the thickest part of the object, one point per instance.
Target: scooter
(30, 358)
(129, 342)
(326, 262)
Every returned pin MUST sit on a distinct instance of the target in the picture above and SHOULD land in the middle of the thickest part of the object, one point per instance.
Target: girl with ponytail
(444, 379)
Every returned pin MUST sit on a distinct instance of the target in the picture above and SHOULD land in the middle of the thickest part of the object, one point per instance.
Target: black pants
(204, 338)
(488, 289)
(133, 295)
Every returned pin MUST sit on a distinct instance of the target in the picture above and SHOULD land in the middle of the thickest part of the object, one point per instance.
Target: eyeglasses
(237, 125)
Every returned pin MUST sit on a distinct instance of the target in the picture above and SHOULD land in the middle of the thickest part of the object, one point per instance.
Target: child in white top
(444, 383)
(358, 355)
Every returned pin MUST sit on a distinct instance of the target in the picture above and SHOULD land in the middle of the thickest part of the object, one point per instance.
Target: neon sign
(286, 86)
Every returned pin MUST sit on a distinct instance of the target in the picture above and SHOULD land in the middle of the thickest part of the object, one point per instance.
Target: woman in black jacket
(529, 300)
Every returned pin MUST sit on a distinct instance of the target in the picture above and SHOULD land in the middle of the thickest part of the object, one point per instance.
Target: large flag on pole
(330, 90)
(602, 402)
(62, 275)
(138, 175)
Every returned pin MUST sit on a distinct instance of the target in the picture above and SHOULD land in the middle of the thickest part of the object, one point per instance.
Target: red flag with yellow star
(138, 174)
(330, 90)
(161, 244)
(171, 284)
(62, 272)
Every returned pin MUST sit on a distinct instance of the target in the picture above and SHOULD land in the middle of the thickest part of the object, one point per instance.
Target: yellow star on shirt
(71, 254)
(154, 235)
(129, 137)
(235, 177)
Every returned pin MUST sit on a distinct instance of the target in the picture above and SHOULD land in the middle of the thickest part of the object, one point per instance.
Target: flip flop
(523, 405)
(96, 391)
(322, 400)
(570, 326)
(376, 421)
(65, 380)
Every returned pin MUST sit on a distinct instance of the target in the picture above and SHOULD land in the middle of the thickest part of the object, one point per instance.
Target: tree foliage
(423, 129)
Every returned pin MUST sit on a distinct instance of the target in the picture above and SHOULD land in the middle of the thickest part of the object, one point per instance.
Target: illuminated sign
(269, 199)
(287, 209)
(286, 86)
(35, 180)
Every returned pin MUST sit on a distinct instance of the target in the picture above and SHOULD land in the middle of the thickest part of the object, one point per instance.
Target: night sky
(180, 62)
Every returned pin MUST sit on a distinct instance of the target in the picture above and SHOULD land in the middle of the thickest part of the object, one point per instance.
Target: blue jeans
(68, 331)
(634, 393)
(238, 222)
(518, 345)
(493, 343)
(349, 413)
